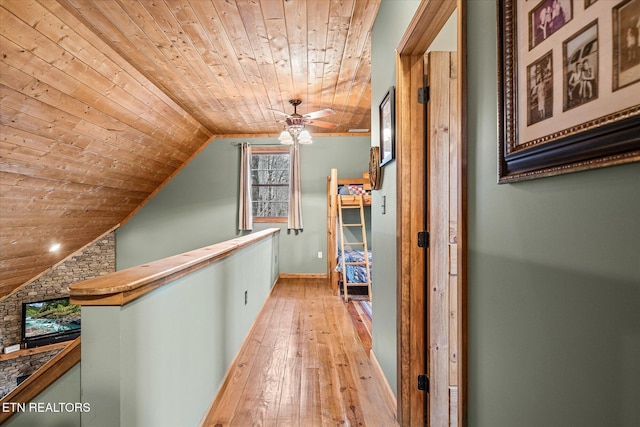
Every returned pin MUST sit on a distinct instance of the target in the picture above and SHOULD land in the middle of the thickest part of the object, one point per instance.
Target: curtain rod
(237, 144)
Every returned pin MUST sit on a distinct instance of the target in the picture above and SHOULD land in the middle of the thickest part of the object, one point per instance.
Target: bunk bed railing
(333, 183)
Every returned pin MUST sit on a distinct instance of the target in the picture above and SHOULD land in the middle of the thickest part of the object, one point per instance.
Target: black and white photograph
(540, 89)
(588, 3)
(626, 43)
(547, 18)
(580, 57)
(590, 100)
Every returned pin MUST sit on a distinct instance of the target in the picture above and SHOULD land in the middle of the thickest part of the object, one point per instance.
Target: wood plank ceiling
(102, 101)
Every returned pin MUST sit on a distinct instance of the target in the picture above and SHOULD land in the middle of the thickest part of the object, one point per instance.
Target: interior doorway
(415, 315)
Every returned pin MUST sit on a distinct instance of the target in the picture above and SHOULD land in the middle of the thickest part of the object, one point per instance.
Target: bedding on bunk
(355, 273)
(356, 190)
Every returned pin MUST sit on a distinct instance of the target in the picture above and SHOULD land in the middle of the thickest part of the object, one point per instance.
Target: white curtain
(245, 212)
(295, 191)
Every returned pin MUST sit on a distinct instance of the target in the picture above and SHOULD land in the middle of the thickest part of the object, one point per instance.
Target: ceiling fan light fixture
(294, 125)
(285, 138)
(295, 128)
(304, 137)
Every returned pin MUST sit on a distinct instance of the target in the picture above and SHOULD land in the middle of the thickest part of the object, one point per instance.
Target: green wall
(393, 17)
(160, 360)
(61, 395)
(199, 206)
(554, 278)
(554, 265)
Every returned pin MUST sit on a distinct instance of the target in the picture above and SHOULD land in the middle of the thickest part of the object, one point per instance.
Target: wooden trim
(276, 135)
(302, 276)
(354, 200)
(43, 377)
(31, 351)
(272, 219)
(411, 219)
(364, 181)
(332, 230)
(270, 149)
(124, 286)
(424, 27)
(389, 396)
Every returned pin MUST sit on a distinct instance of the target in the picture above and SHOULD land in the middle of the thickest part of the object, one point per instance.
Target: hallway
(302, 364)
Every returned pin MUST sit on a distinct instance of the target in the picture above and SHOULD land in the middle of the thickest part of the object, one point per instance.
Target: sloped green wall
(199, 206)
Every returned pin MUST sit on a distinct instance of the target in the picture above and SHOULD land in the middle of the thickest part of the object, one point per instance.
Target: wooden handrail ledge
(34, 350)
(37, 382)
(124, 286)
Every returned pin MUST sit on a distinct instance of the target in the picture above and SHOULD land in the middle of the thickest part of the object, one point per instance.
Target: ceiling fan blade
(320, 113)
(278, 112)
(321, 124)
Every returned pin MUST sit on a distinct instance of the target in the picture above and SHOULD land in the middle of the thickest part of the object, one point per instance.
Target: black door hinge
(423, 383)
(423, 95)
(423, 239)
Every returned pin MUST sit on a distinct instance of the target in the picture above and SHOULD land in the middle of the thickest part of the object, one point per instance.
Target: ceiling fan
(295, 123)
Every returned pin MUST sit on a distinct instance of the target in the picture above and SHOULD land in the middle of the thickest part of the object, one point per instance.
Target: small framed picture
(626, 43)
(547, 18)
(580, 71)
(388, 127)
(540, 89)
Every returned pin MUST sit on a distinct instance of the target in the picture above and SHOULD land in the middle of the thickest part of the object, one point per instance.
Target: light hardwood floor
(303, 364)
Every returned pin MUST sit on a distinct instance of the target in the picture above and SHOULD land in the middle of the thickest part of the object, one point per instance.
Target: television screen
(50, 317)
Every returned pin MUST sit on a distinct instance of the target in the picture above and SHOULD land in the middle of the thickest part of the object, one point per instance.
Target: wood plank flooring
(303, 364)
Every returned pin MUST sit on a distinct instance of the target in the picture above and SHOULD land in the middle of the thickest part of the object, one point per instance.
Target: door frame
(427, 22)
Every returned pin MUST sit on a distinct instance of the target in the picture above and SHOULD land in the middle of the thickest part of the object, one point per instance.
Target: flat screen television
(49, 321)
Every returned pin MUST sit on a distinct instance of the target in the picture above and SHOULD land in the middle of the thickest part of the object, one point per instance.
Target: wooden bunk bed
(343, 193)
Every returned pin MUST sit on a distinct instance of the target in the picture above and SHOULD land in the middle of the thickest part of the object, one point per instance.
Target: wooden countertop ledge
(122, 287)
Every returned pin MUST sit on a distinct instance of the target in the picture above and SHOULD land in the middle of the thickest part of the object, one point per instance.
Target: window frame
(265, 151)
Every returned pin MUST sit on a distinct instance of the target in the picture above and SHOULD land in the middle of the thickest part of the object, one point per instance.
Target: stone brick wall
(95, 260)
(12, 369)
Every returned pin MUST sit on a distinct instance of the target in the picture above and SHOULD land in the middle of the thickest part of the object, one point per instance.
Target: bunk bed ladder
(362, 244)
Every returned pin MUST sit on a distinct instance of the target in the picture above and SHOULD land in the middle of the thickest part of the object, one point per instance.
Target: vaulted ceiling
(103, 101)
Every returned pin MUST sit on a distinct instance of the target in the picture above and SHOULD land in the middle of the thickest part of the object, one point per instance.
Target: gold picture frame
(568, 86)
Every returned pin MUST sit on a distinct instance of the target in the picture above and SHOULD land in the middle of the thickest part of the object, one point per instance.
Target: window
(270, 183)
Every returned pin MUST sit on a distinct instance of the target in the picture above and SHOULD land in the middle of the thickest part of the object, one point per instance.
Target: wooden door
(412, 281)
(442, 318)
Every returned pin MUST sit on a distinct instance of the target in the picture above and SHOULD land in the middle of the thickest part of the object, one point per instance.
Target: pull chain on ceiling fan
(295, 124)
